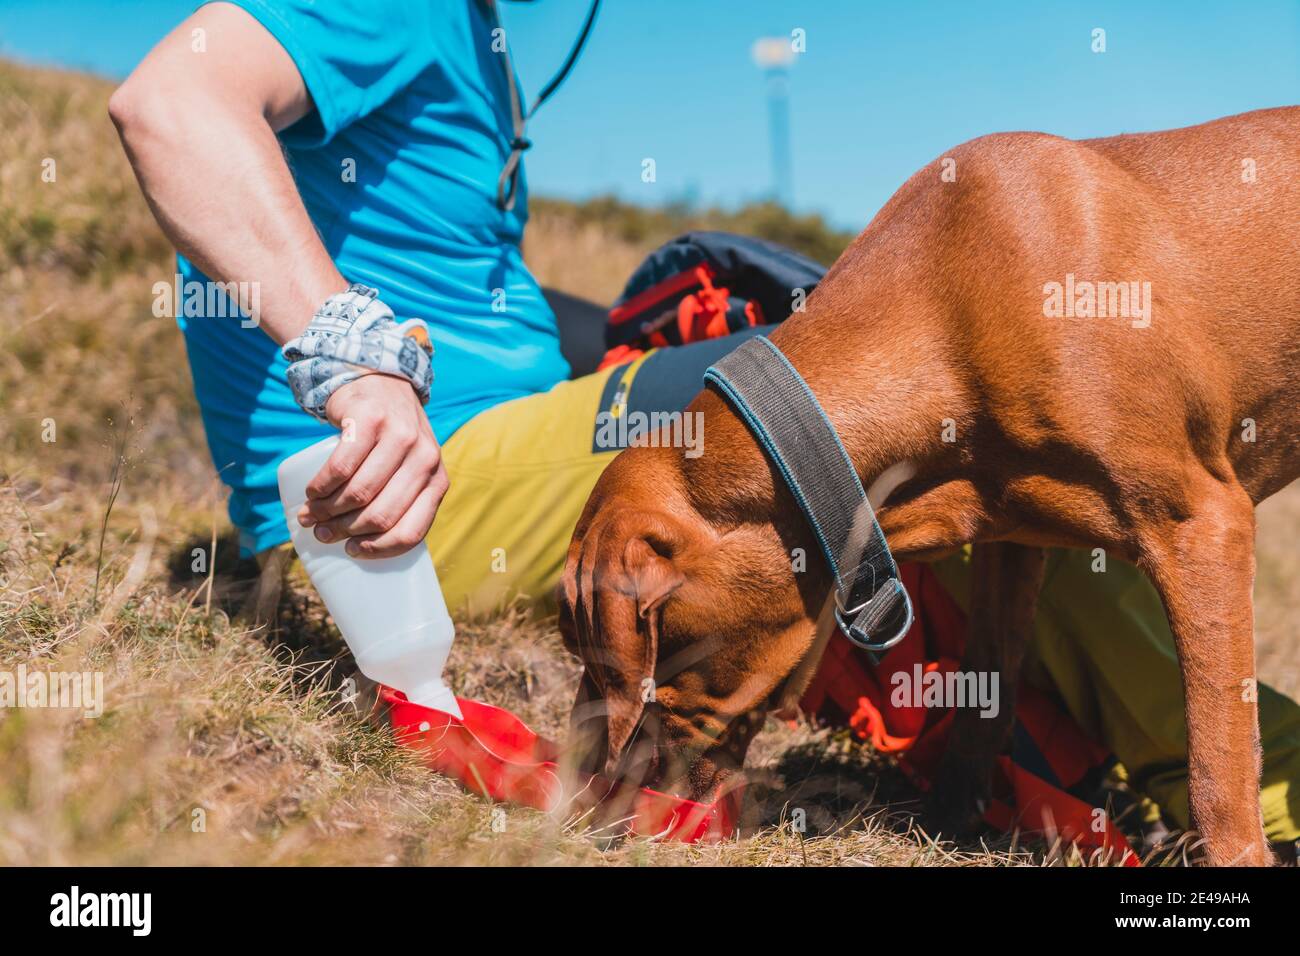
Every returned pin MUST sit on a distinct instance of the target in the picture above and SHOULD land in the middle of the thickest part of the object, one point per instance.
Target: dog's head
(686, 628)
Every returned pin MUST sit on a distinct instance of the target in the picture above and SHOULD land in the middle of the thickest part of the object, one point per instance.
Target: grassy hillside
(226, 742)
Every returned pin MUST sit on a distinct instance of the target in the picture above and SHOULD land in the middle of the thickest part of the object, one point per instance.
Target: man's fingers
(386, 509)
(369, 479)
(408, 532)
(344, 462)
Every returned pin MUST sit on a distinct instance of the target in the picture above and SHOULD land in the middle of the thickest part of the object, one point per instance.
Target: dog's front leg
(1005, 583)
(1204, 569)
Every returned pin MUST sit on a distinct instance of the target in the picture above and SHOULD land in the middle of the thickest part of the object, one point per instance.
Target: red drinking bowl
(494, 753)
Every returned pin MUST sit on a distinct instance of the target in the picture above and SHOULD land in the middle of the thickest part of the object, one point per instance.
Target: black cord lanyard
(508, 183)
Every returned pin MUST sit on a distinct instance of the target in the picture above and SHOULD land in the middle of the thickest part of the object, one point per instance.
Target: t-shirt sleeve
(353, 55)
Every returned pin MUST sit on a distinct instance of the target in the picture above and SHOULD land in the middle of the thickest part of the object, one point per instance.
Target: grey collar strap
(760, 384)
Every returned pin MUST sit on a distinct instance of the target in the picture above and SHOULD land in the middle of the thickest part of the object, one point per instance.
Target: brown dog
(953, 347)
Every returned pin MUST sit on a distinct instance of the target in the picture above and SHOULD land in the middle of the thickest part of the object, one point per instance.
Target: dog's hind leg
(1204, 569)
(1005, 582)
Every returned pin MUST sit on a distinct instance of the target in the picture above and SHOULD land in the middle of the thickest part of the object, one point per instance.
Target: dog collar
(759, 383)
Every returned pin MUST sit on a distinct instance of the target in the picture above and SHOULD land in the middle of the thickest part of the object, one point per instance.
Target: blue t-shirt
(397, 166)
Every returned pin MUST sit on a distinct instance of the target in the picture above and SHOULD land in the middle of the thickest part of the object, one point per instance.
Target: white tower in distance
(774, 56)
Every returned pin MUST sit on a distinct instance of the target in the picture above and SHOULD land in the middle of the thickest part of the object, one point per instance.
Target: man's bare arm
(199, 129)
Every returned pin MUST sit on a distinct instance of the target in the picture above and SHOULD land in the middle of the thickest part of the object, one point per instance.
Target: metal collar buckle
(876, 609)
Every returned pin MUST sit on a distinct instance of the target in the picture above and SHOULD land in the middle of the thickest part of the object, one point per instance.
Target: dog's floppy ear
(614, 588)
(652, 575)
(631, 638)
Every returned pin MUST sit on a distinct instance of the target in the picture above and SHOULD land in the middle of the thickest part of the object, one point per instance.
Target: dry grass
(225, 743)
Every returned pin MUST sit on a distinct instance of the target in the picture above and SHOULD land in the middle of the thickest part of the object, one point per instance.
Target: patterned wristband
(353, 334)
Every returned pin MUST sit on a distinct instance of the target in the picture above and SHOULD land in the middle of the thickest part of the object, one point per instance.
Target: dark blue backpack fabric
(752, 270)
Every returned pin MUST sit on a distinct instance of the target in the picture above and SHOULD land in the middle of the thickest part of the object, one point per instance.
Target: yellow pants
(521, 473)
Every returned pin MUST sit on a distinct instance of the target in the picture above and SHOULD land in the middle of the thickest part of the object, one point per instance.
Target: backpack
(704, 285)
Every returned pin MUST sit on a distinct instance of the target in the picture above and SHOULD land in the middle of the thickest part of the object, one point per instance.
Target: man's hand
(382, 486)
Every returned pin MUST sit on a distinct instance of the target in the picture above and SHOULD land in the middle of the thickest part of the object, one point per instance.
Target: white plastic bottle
(390, 611)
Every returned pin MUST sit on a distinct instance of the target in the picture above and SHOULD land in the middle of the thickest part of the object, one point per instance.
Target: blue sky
(882, 89)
